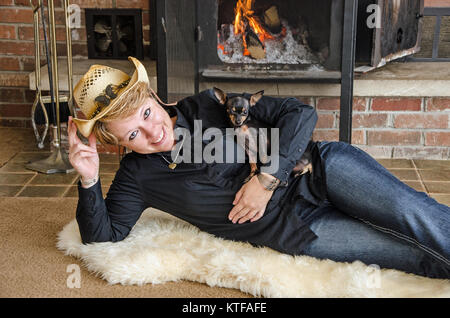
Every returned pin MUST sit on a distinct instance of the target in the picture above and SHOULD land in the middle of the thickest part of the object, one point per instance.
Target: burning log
(272, 20)
(254, 46)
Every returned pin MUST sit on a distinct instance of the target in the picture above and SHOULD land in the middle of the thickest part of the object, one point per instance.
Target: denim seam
(411, 240)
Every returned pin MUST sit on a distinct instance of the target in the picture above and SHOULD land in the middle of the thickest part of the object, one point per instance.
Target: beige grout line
(420, 177)
(17, 172)
(70, 185)
(26, 183)
(65, 191)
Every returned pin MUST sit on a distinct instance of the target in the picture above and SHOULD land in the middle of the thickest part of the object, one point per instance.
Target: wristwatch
(268, 181)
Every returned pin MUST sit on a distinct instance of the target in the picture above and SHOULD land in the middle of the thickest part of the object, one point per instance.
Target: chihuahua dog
(238, 111)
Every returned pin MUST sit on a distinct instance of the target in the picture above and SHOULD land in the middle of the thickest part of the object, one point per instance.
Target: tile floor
(17, 181)
(430, 176)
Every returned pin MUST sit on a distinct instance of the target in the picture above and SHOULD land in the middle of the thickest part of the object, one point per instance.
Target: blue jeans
(372, 216)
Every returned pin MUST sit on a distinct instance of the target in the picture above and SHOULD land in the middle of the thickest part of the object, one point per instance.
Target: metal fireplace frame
(348, 49)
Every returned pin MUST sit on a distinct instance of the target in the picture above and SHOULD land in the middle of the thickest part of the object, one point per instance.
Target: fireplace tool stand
(58, 161)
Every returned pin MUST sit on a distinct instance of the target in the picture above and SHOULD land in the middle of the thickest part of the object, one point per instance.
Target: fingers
(92, 141)
(235, 210)
(238, 197)
(246, 214)
(250, 202)
(257, 216)
(250, 215)
(77, 154)
(75, 142)
(242, 211)
(82, 147)
(83, 154)
(240, 214)
(72, 132)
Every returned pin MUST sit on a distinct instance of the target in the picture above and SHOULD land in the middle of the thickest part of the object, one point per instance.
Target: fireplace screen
(268, 39)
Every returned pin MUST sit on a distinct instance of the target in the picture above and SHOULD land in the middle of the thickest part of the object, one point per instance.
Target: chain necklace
(173, 165)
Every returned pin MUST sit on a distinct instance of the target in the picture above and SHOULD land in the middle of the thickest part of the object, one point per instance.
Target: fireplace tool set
(58, 161)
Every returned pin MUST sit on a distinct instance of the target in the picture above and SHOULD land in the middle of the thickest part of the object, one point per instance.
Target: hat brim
(85, 126)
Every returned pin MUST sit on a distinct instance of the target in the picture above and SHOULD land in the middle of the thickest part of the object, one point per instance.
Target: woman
(350, 208)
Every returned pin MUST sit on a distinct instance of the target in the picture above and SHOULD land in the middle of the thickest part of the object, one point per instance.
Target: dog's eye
(245, 112)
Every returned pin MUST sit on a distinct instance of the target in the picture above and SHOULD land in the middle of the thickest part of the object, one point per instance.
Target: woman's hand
(250, 202)
(83, 158)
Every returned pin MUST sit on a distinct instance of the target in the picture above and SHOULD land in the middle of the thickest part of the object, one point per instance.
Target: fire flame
(243, 16)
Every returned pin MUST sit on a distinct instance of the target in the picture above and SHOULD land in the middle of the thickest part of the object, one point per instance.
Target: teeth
(160, 137)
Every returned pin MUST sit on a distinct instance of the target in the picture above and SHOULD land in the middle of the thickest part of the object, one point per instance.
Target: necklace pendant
(172, 165)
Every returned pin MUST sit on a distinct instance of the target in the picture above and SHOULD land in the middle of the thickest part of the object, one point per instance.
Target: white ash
(279, 50)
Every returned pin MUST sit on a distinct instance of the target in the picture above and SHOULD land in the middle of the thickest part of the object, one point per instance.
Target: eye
(147, 113)
(133, 135)
(245, 112)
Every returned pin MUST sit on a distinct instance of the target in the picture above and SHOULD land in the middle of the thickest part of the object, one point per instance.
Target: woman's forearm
(92, 216)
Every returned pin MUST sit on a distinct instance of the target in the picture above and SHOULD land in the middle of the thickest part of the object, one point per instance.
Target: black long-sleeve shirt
(202, 193)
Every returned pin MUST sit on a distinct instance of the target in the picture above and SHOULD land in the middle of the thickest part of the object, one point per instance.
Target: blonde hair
(124, 108)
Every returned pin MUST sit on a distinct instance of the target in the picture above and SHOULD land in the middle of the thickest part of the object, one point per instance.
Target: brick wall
(17, 50)
(390, 127)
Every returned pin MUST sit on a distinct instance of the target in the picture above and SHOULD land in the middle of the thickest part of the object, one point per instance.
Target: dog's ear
(256, 97)
(220, 95)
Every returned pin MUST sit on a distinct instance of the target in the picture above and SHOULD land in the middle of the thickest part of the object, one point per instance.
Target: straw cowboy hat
(100, 88)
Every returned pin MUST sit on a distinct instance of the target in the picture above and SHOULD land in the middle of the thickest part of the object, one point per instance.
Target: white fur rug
(162, 248)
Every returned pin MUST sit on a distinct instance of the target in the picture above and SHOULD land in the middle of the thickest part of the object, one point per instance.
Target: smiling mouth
(160, 138)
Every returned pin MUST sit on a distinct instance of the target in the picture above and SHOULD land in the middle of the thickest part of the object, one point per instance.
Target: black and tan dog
(238, 110)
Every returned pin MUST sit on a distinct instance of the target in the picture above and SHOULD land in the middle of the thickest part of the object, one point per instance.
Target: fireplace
(307, 41)
(305, 45)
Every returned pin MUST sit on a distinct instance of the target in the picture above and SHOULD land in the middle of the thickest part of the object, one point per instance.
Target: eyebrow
(140, 115)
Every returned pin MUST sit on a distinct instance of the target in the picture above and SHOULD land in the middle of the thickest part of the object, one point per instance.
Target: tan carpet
(31, 266)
